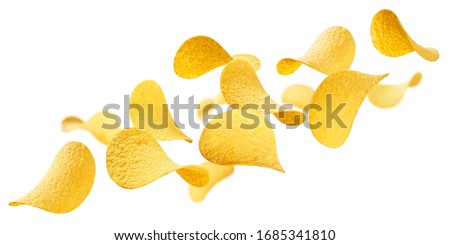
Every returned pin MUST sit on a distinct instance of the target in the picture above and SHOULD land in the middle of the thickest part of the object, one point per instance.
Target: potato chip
(387, 96)
(216, 174)
(391, 39)
(331, 52)
(298, 95)
(148, 98)
(339, 96)
(67, 183)
(220, 99)
(95, 126)
(200, 54)
(134, 159)
(239, 137)
(240, 86)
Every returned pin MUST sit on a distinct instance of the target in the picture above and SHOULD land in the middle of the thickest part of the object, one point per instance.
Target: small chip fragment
(216, 174)
(298, 95)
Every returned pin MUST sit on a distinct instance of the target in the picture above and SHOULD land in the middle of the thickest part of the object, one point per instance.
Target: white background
(388, 184)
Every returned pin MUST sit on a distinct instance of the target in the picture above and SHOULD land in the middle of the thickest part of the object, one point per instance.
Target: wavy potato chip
(387, 96)
(331, 52)
(216, 174)
(134, 159)
(239, 137)
(339, 96)
(298, 95)
(241, 87)
(67, 183)
(95, 125)
(391, 39)
(150, 111)
(200, 54)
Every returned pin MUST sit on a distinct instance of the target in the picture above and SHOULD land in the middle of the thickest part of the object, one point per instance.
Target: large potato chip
(149, 110)
(387, 96)
(339, 97)
(134, 159)
(67, 183)
(298, 95)
(200, 54)
(240, 137)
(391, 39)
(241, 87)
(95, 125)
(216, 174)
(331, 52)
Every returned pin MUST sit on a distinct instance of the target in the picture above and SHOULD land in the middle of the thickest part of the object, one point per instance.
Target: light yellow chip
(216, 174)
(298, 95)
(233, 138)
(391, 39)
(387, 96)
(349, 87)
(200, 54)
(331, 52)
(240, 86)
(220, 99)
(67, 183)
(134, 159)
(148, 98)
(95, 125)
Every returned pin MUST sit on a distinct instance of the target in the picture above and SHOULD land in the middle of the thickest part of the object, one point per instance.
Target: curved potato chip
(234, 139)
(298, 95)
(339, 97)
(134, 159)
(240, 86)
(94, 125)
(216, 174)
(67, 183)
(200, 54)
(331, 52)
(386, 96)
(148, 98)
(391, 39)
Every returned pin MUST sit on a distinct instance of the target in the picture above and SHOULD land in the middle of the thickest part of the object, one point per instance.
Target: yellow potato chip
(391, 39)
(216, 174)
(95, 126)
(200, 54)
(67, 183)
(298, 95)
(386, 96)
(331, 52)
(339, 97)
(148, 98)
(134, 159)
(240, 137)
(240, 86)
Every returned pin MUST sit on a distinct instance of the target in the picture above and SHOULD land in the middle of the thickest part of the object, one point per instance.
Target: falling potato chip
(200, 54)
(95, 125)
(240, 86)
(149, 110)
(331, 52)
(391, 39)
(239, 137)
(216, 174)
(298, 95)
(339, 96)
(134, 159)
(386, 96)
(66, 184)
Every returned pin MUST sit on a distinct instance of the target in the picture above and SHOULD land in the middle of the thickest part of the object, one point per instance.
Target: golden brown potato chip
(148, 98)
(134, 159)
(339, 97)
(216, 174)
(67, 183)
(239, 137)
(298, 95)
(391, 39)
(387, 96)
(332, 51)
(200, 54)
